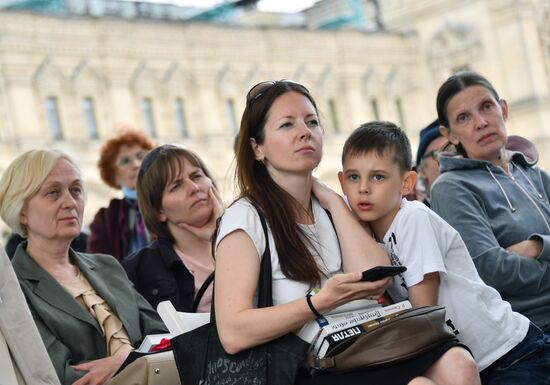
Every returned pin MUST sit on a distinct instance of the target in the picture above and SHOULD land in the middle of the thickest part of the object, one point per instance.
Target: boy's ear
(341, 179)
(409, 181)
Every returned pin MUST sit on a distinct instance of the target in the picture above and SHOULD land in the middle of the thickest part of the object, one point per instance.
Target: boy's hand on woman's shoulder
(324, 194)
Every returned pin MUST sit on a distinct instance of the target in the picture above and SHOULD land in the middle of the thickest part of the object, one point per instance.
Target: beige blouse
(116, 337)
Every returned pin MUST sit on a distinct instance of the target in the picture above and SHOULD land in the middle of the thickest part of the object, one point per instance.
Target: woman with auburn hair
(280, 144)
(118, 229)
(87, 312)
(180, 205)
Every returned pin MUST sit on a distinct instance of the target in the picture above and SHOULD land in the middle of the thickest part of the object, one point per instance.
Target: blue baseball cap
(427, 134)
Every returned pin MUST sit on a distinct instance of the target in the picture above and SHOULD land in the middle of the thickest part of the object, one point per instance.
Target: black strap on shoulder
(201, 291)
(265, 296)
(265, 293)
(330, 217)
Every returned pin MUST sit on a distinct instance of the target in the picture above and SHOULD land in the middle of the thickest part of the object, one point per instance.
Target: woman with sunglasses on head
(180, 205)
(86, 310)
(280, 144)
(118, 229)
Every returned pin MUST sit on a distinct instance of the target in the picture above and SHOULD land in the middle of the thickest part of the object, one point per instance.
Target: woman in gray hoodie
(492, 193)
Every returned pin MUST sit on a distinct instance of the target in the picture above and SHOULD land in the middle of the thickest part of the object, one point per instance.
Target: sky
(263, 5)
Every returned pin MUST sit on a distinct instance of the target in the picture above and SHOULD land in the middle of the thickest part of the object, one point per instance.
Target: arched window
(181, 122)
(146, 106)
(52, 114)
(88, 112)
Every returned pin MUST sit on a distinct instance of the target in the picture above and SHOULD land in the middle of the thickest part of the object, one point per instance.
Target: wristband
(311, 307)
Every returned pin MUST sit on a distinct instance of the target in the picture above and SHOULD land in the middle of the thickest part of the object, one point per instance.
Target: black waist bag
(405, 336)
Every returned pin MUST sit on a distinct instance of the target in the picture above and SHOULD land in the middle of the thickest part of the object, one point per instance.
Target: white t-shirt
(243, 216)
(423, 242)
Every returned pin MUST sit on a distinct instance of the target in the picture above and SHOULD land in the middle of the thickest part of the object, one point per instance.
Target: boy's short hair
(380, 137)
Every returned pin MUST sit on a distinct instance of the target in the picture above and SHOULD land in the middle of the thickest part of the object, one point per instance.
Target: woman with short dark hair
(179, 203)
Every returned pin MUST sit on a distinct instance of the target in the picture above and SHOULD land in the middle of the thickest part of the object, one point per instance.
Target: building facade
(69, 80)
(506, 40)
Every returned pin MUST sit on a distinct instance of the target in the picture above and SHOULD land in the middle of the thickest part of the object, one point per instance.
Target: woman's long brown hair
(279, 208)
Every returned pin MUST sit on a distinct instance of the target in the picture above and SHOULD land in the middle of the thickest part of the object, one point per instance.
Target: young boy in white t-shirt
(376, 175)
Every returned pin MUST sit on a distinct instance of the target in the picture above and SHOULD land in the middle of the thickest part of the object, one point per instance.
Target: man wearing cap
(427, 165)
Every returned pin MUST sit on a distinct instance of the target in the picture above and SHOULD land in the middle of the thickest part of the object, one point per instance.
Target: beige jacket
(23, 357)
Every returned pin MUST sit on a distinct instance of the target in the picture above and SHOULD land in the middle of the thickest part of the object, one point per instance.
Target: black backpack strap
(201, 291)
(265, 296)
(330, 217)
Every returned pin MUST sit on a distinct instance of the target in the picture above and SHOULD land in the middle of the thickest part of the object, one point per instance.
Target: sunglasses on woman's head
(154, 154)
(261, 88)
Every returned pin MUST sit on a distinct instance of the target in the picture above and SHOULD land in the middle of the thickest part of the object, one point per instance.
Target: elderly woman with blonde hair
(86, 310)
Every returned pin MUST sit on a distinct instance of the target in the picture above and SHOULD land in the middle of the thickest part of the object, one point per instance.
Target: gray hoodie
(492, 210)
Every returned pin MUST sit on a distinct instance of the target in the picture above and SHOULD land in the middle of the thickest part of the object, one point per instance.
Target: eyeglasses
(431, 154)
(261, 88)
(129, 159)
